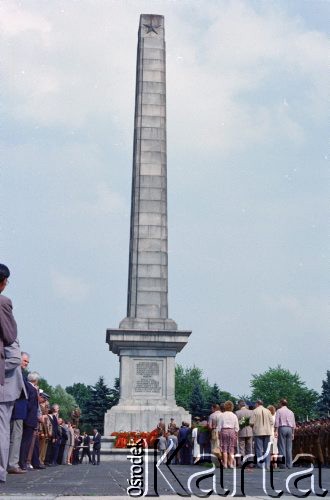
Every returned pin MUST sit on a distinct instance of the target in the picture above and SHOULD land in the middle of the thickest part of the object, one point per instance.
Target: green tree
(80, 392)
(243, 397)
(45, 386)
(226, 396)
(114, 393)
(197, 402)
(65, 400)
(323, 404)
(185, 381)
(97, 406)
(277, 383)
(214, 396)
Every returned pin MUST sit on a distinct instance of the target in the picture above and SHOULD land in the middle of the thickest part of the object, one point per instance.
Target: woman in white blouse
(228, 427)
(273, 439)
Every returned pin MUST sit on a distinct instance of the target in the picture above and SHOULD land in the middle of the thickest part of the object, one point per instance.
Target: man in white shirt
(285, 425)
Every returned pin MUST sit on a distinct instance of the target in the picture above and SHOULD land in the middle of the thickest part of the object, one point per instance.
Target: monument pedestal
(143, 418)
(147, 379)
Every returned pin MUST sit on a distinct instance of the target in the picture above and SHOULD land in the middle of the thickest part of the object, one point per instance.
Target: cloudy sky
(247, 110)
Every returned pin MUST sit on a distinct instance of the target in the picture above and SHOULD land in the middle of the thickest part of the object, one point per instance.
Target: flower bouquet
(244, 422)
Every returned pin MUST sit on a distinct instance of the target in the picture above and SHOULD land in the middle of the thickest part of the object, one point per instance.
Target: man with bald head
(285, 425)
(262, 424)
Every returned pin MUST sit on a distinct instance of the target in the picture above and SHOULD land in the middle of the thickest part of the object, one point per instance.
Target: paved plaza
(110, 479)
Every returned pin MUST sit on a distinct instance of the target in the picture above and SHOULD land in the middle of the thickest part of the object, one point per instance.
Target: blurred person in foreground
(11, 380)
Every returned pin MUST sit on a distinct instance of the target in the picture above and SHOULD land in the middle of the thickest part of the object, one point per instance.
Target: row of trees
(93, 401)
(194, 393)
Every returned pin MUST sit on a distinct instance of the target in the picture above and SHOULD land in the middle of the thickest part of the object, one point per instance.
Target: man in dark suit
(56, 436)
(11, 381)
(185, 437)
(96, 447)
(64, 438)
(86, 444)
(30, 423)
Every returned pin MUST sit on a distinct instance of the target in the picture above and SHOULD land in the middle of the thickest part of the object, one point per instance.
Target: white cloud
(308, 312)
(14, 21)
(231, 74)
(69, 288)
(102, 200)
(70, 65)
(71, 72)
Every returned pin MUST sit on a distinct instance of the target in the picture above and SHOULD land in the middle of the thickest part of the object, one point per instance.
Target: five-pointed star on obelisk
(150, 27)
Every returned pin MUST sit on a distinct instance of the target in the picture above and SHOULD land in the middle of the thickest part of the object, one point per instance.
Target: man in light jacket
(261, 422)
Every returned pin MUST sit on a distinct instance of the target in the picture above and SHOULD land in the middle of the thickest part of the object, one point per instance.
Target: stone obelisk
(147, 340)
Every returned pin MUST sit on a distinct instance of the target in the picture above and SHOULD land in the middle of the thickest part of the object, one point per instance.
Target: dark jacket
(97, 441)
(203, 435)
(31, 419)
(21, 404)
(56, 431)
(185, 435)
(86, 440)
(64, 434)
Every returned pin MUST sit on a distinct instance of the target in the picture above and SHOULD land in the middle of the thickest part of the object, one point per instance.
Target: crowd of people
(33, 435)
(39, 437)
(253, 436)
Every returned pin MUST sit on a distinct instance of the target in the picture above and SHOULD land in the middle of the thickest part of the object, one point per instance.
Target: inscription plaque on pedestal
(148, 377)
